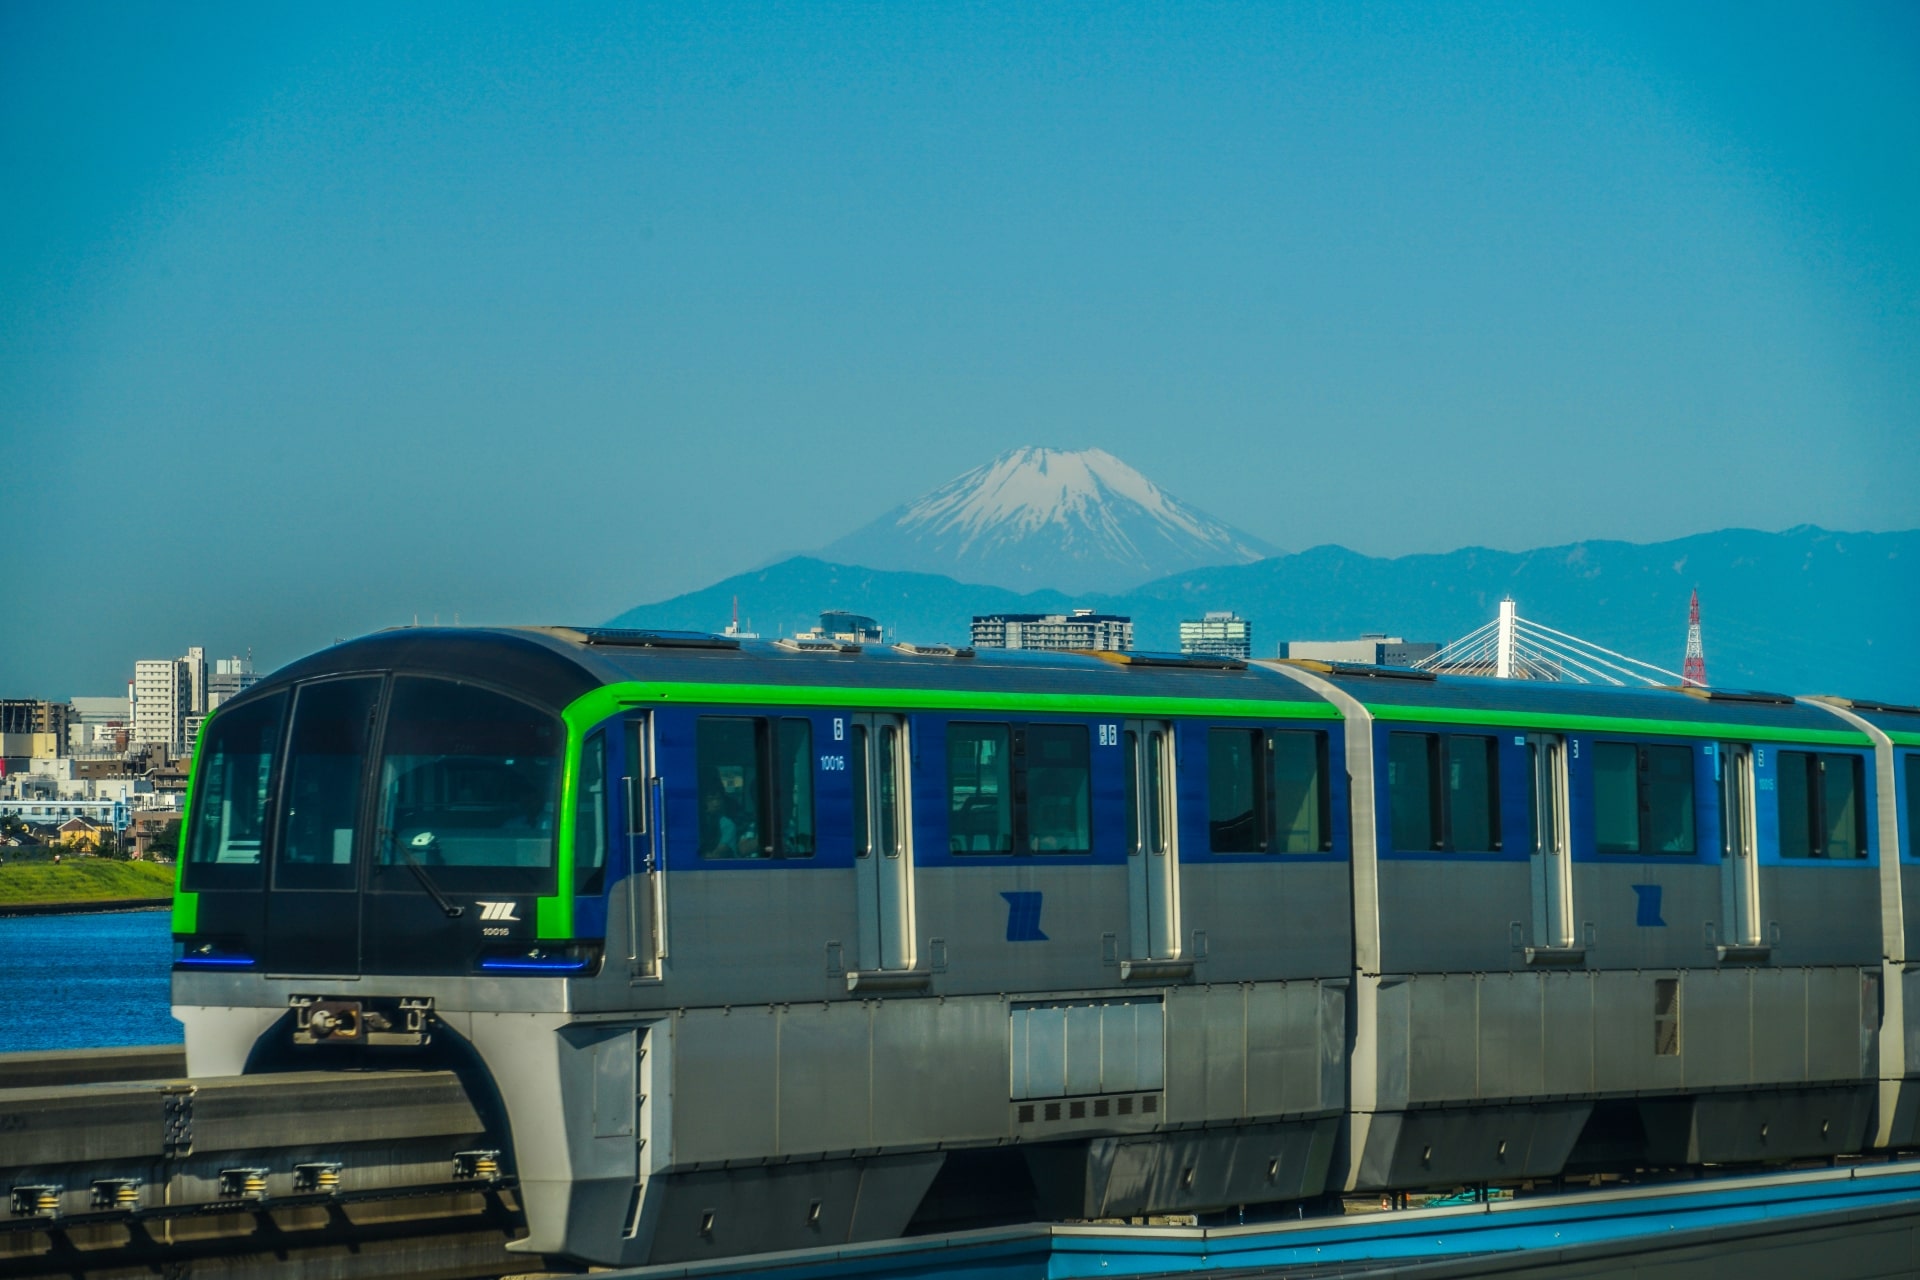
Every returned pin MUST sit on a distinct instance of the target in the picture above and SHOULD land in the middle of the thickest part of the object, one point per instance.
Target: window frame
(765, 730)
(1267, 790)
(1018, 787)
(1642, 776)
(1440, 807)
(1816, 806)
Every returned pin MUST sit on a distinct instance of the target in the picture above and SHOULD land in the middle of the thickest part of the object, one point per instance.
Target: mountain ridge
(1805, 610)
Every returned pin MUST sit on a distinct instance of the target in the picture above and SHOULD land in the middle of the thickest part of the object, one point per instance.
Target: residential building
(1372, 649)
(1221, 633)
(161, 696)
(1082, 629)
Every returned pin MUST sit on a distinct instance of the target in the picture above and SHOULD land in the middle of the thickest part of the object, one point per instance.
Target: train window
(1413, 799)
(1669, 791)
(886, 790)
(1821, 813)
(590, 817)
(862, 837)
(1059, 806)
(1616, 797)
(468, 782)
(979, 788)
(230, 796)
(1236, 791)
(756, 787)
(1300, 798)
(793, 790)
(1443, 792)
(1642, 798)
(320, 803)
(1473, 792)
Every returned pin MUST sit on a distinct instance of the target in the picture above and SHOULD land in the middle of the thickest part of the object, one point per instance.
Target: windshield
(231, 791)
(469, 784)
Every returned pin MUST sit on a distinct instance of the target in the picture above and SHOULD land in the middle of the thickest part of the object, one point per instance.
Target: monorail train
(771, 945)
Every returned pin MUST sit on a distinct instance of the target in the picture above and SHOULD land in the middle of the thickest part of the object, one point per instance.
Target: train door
(646, 854)
(313, 893)
(1739, 868)
(882, 842)
(1553, 927)
(1153, 854)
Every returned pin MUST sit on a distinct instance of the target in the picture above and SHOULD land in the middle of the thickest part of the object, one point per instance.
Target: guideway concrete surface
(357, 1175)
(347, 1174)
(1855, 1223)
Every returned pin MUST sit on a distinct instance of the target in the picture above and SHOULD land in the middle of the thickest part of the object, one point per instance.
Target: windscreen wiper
(425, 840)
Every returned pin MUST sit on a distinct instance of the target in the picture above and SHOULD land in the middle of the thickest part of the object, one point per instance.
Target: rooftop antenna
(1694, 671)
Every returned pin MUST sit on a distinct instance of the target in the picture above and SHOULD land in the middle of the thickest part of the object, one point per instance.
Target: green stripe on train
(1617, 724)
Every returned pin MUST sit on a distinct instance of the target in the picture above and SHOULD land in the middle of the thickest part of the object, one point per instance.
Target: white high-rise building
(162, 700)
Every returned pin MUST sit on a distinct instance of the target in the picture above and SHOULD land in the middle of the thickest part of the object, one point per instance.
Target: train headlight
(564, 959)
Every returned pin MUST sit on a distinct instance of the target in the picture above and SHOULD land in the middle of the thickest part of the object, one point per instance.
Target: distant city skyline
(316, 320)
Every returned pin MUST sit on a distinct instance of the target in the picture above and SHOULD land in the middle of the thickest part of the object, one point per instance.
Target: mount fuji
(1071, 520)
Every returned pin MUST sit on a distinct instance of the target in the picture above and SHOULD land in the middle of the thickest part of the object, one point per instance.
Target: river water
(85, 982)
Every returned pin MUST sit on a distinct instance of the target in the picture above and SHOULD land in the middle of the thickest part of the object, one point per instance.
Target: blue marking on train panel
(1647, 908)
(1023, 916)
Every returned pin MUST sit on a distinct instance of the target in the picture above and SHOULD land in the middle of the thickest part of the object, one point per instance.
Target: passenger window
(1473, 793)
(1300, 799)
(727, 754)
(979, 788)
(1669, 789)
(1643, 798)
(326, 760)
(590, 817)
(1059, 804)
(230, 796)
(1616, 797)
(1236, 791)
(1412, 762)
(469, 782)
(793, 796)
(1821, 810)
(755, 783)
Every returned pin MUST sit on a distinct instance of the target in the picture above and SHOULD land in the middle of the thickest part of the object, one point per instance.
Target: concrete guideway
(366, 1173)
(1840, 1224)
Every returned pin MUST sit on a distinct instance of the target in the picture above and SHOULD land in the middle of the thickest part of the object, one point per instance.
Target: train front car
(1604, 929)
(765, 946)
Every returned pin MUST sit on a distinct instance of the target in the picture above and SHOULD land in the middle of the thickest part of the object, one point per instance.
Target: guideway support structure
(104, 1176)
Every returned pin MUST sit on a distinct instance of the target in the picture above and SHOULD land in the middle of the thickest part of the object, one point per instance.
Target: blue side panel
(676, 763)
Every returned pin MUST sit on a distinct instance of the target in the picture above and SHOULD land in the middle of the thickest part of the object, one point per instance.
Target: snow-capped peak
(1070, 519)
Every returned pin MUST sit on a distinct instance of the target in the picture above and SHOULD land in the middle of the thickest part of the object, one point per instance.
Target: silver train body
(895, 1033)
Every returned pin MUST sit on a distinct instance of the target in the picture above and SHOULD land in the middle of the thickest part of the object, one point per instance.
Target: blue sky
(314, 318)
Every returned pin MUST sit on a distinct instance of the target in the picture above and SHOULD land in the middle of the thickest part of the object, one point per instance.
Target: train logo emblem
(1023, 916)
(499, 911)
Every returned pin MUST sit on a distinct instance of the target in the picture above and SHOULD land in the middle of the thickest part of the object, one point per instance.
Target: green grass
(78, 879)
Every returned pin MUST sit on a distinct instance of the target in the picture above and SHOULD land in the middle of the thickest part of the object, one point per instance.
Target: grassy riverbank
(77, 879)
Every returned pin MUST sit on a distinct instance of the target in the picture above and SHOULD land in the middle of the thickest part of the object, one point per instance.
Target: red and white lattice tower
(1694, 670)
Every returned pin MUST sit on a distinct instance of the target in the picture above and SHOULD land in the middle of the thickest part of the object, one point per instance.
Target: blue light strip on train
(216, 962)
(534, 966)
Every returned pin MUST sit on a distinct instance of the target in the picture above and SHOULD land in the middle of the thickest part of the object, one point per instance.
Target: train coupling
(396, 1021)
